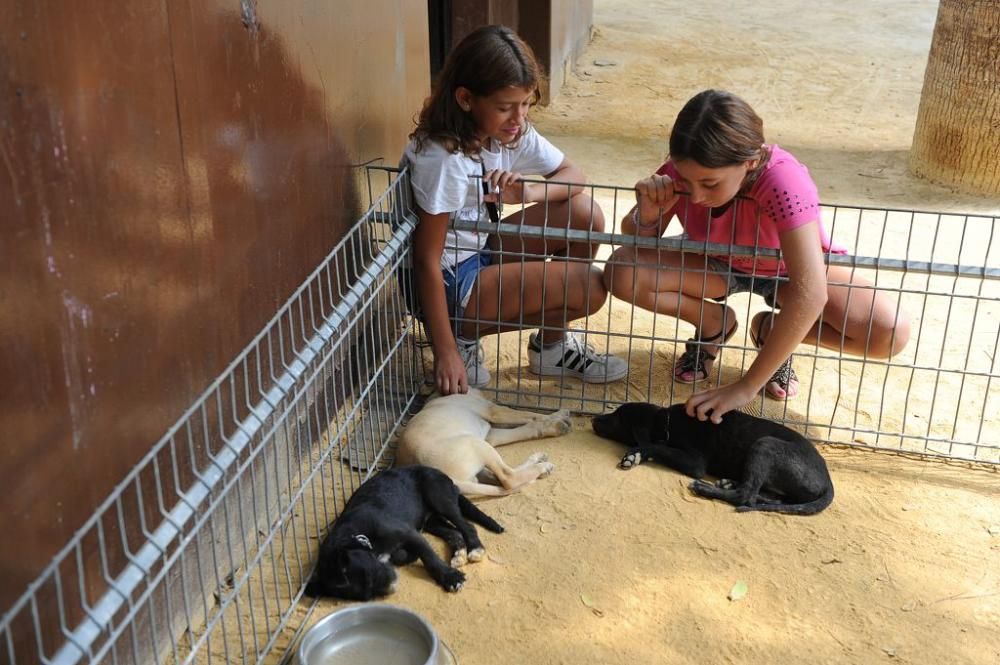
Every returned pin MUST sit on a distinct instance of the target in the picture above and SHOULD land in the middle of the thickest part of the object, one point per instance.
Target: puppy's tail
(810, 508)
(471, 511)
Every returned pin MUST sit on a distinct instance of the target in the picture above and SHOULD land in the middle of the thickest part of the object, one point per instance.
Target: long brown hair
(488, 59)
(715, 129)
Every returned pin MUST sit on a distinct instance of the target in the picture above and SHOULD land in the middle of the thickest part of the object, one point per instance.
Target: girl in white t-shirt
(473, 135)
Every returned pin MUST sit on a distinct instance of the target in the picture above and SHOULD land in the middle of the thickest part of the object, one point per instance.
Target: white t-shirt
(444, 182)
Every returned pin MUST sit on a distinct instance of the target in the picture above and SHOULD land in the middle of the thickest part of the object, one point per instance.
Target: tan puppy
(455, 435)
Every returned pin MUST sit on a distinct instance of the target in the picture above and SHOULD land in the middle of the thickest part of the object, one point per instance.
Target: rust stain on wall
(170, 172)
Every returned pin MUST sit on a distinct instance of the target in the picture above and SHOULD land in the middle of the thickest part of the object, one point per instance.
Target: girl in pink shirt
(726, 185)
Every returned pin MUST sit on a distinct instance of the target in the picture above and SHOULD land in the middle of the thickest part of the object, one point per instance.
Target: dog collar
(363, 539)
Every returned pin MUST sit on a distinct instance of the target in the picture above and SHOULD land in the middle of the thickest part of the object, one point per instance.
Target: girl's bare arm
(802, 301)
(515, 190)
(428, 246)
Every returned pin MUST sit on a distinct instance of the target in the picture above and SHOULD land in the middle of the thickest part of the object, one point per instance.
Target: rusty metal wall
(467, 15)
(169, 172)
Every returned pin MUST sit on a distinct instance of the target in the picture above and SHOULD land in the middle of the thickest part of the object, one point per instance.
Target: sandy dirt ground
(605, 566)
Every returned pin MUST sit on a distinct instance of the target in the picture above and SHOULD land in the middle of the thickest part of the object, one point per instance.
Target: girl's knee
(586, 213)
(899, 335)
(889, 339)
(593, 294)
(620, 274)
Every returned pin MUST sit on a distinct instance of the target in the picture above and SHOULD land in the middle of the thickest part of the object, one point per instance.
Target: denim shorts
(458, 283)
(765, 286)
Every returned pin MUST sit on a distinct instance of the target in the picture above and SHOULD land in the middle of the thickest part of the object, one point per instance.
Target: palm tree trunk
(957, 137)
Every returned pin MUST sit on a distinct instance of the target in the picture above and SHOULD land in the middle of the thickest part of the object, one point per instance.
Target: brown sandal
(694, 356)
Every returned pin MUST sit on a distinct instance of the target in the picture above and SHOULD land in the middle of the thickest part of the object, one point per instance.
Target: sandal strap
(718, 338)
(693, 360)
(784, 375)
(694, 356)
(695, 347)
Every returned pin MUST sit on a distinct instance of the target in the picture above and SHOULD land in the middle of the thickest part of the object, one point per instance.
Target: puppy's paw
(725, 484)
(452, 580)
(476, 555)
(630, 460)
(547, 469)
(556, 427)
(459, 558)
(700, 486)
(562, 422)
(535, 458)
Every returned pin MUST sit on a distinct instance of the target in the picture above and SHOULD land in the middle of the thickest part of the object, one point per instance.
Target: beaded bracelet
(639, 225)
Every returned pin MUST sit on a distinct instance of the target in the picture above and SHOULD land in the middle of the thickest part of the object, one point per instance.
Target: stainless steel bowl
(370, 634)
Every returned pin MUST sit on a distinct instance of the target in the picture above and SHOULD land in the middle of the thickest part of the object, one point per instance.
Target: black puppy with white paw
(761, 465)
(380, 526)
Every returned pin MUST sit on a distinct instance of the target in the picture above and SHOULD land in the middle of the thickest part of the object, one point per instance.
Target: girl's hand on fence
(715, 403)
(654, 193)
(449, 374)
(512, 189)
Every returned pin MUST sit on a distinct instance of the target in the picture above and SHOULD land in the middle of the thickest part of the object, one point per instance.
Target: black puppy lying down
(382, 522)
(761, 465)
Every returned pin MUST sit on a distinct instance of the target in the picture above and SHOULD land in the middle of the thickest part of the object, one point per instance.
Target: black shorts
(766, 286)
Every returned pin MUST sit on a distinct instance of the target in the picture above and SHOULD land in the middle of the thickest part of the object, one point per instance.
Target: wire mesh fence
(201, 552)
(941, 272)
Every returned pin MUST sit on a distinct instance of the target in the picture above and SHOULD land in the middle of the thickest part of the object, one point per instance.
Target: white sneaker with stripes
(574, 358)
(472, 356)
